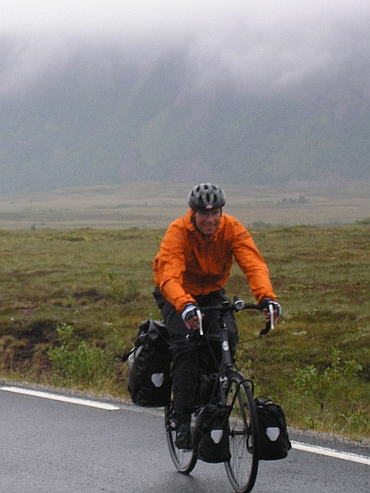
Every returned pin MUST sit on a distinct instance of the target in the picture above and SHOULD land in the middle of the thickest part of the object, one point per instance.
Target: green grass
(99, 283)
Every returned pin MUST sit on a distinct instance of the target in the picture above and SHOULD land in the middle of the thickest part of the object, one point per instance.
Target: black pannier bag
(149, 366)
(211, 434)
(274, 439)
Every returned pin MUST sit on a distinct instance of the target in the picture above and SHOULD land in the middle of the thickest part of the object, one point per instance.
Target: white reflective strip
(62, 398)
(315, 449)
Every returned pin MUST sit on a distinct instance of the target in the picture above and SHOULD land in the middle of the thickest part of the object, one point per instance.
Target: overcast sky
(172, 15)
(253, 40)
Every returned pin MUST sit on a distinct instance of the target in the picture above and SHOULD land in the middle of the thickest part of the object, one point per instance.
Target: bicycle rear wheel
(243, 435)
(184, 460)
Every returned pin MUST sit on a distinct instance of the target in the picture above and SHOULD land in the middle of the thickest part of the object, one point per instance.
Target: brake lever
(271, 310)
(269, 325)
(200, 321)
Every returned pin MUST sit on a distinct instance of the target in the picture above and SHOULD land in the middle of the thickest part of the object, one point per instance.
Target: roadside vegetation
(71, 303)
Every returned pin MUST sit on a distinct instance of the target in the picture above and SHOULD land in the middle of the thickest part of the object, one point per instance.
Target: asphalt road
(50, 446)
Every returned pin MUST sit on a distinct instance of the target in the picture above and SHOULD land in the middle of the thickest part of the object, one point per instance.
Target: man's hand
(190, 317)
(276, 307)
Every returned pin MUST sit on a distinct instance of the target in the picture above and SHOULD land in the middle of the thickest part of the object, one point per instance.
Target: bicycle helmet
(206, 196)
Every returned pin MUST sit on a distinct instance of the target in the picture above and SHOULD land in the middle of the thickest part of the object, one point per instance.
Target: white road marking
(62, 398)
(315, 449)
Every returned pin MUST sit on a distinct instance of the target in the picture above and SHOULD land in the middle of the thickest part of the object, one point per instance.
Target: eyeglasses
(214, 213)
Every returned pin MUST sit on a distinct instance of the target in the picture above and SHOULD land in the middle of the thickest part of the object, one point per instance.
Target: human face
(207, 222)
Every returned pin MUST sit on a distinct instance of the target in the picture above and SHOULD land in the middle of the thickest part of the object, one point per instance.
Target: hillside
(100, 119)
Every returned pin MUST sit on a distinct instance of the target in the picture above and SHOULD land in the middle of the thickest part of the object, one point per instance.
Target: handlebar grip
(266, 330)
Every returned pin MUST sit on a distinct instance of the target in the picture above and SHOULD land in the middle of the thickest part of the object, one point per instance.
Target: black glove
(266, 302)
(190, 311)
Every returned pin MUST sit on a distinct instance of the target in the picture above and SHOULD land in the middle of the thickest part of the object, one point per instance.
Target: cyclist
(190, 271)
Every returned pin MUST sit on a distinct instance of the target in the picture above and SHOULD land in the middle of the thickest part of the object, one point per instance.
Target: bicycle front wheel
(184, 460)
(243, 435)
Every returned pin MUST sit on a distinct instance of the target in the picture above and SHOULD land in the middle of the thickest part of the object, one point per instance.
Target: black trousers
(190, 352)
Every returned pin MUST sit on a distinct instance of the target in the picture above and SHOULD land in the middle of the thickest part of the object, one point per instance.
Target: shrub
(77, 363)
(321, 384)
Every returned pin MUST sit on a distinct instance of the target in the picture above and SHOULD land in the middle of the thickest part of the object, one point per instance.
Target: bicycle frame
(233, 392)
(226, 365)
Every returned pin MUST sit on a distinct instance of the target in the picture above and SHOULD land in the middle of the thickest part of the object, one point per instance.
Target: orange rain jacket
(189, 264)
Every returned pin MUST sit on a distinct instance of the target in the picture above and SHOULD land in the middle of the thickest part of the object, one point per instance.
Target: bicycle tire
(243, 435)
(184, 460)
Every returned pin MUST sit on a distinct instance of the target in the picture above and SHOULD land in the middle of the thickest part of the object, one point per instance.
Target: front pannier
(274, 439)
(211, 434)
(149, 366)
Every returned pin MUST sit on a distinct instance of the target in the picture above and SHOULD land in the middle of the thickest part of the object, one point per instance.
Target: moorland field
(155, 205)
(76, 281)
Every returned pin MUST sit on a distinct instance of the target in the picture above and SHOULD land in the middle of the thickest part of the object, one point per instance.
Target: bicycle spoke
(243, 465)
(184, 460)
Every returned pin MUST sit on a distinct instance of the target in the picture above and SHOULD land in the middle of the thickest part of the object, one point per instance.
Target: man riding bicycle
(190, 271)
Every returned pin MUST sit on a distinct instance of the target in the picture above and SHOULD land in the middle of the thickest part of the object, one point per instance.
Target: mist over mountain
(90, 112)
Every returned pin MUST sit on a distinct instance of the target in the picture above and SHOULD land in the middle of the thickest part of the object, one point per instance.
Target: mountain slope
(102, 120)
